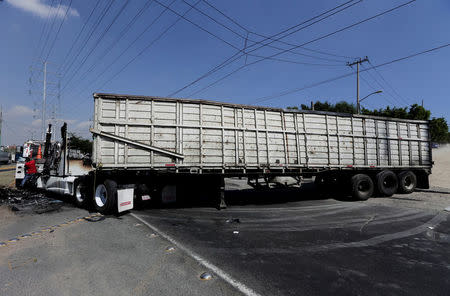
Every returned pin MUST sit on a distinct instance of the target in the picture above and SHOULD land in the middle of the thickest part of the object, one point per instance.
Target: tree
(344, 107)
(419, 112)
(438, 126)
(76, 142)
(439, 130)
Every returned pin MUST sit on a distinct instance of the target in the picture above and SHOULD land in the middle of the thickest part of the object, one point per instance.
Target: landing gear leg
(222, 204)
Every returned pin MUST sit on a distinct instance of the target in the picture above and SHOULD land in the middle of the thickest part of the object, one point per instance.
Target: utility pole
(357, 63)
(44, 97)
(1, 121)
(50, 81)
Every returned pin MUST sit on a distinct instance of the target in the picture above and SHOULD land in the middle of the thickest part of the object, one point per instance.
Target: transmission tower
(45, 85)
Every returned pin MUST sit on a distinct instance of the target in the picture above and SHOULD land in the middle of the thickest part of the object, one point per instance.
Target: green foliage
(76, 142)
(419, 112)
(344, 107)
(439, 130)
(438, 126)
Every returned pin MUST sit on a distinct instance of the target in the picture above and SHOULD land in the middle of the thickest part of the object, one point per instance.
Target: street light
(359, 101)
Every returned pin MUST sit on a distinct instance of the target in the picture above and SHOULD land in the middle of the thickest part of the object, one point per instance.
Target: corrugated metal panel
(214, 135)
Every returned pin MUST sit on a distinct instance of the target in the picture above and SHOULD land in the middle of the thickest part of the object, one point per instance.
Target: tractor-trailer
(160, 148)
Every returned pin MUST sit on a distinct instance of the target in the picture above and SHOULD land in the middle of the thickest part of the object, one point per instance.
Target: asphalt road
(60, 253)
(290, 242)
(275, 242)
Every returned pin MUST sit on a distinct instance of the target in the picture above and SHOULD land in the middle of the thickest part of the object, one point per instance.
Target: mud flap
(125, 199)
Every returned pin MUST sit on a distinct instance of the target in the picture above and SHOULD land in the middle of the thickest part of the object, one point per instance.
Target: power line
(59, 29)
(132, 43)
(97, 42)
(235, 56)
(149, 45)
(311, 41)
(44, 26)
(374, 89)
(264, 36)
(50, 30)
(79, 35)
(88, 37)
(384, 88)
(287, 92)
(180, 16)
(116, 41)
(388, 84)
(246, 37)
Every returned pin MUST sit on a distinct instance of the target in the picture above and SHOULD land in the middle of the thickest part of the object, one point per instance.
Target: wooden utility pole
(357, 63)
(1, 119)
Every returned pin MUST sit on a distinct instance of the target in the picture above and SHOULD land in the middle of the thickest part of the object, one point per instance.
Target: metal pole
(360, 61)
(357, 89)
(1, 119)
(43, 100)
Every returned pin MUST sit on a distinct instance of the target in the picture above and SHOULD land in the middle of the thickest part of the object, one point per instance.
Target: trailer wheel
(387, 183)
(105, 198)
(407, 182)
(79, 193)
(320, 183)
(362, 187)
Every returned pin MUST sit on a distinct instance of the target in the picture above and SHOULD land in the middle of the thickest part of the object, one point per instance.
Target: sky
(157, 47)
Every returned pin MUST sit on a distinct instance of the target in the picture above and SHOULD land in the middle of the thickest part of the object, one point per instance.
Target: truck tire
(387, 183)
(407, 182)
(320, 183)
(362, 187)
(80, 196)
(105, 197)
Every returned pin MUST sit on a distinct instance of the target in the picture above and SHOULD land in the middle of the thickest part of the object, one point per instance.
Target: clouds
(20, 125)
(43, 10)
(84, 125)
(18, 111)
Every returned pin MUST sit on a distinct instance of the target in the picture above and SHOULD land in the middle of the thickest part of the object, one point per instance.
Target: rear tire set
(387, 184)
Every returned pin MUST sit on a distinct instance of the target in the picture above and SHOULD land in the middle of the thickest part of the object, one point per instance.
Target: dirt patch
(7, 178)
(440, 176)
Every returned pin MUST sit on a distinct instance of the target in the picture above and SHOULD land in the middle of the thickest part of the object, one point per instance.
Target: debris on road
(20, 200)
(232, 220)
(206, 276)
(95, 218)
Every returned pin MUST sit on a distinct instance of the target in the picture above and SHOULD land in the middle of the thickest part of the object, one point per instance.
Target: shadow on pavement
(248, 196)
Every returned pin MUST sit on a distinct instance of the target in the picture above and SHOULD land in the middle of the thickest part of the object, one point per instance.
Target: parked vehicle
(157, 148)
(4, 157)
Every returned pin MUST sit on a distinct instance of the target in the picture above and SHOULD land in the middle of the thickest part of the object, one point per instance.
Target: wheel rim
(389, 182)
(100, 195)
(364, 186)
(78, 195)
(408, 183)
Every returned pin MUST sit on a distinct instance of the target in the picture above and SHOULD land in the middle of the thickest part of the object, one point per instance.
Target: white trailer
(151, 147)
